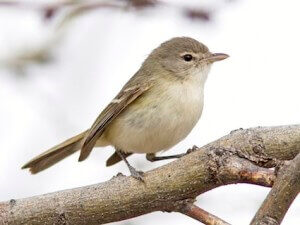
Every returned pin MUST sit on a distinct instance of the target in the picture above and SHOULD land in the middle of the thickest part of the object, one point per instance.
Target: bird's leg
(136, 174)
(152, 158)
(115, 158)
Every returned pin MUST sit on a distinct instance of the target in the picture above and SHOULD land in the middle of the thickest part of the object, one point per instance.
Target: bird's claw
(139, 175)
(190, 150)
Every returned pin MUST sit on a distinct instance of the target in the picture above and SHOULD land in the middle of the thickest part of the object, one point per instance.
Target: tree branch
(201, 215)
(235, 158)
(51, 9)
(280, 198)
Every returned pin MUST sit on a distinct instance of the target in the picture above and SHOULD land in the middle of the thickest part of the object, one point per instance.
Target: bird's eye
(187, 57)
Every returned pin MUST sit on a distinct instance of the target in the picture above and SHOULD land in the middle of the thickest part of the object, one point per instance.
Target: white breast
(159, 120)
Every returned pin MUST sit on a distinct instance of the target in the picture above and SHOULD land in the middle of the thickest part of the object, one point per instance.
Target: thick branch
(283, 193)
(226, 161)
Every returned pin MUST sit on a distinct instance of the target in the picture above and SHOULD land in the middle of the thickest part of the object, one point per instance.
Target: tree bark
(280, 198)
(240, 157)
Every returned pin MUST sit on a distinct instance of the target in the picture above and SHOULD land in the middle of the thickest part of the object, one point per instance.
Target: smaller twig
(245, 172)
(51, 9)
(281, 196)
(198, 14)
(262, 177)
(201, 215)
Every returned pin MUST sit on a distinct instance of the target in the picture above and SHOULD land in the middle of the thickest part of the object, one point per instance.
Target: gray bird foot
(190, 150)
(139, 175)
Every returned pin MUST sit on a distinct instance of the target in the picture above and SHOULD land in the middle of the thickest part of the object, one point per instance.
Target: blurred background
(61, 62)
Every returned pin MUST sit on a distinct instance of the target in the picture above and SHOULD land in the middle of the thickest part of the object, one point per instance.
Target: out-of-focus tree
(58, 17)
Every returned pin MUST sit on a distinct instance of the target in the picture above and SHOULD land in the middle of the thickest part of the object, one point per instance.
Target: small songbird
(157, 108)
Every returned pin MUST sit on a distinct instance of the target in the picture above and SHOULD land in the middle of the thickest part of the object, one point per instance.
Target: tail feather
(55, 154)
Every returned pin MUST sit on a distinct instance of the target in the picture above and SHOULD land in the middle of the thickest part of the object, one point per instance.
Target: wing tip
(86, 149)
(84, 153)
(81, 157)
(109, 163)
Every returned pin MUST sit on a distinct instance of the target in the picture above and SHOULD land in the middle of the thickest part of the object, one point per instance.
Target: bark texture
(280, 198)
(243, 156)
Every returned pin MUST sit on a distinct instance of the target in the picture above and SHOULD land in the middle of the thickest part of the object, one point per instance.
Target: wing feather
(122, 100)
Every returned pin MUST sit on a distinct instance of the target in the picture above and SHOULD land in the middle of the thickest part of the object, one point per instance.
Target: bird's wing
(117, 105)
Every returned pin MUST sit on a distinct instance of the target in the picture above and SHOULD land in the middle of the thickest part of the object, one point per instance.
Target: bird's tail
(55, 154)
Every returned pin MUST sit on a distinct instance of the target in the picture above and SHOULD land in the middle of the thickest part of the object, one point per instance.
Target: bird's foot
(190, 150)
(139, 175)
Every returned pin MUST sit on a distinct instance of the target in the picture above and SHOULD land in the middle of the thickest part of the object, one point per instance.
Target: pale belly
(157, 121)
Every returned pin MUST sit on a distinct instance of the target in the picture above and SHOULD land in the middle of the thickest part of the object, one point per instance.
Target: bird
(156, 109)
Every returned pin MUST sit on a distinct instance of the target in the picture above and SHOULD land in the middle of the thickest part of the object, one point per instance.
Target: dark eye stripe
(187, 57)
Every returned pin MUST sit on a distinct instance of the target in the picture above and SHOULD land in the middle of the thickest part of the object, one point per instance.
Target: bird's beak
(213, 57)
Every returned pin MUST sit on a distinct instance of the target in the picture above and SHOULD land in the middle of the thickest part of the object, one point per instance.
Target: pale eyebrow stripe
(191, 53)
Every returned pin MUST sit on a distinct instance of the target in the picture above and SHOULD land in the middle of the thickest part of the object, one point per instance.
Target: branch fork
(239, 157)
